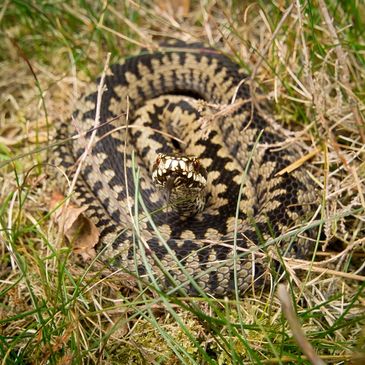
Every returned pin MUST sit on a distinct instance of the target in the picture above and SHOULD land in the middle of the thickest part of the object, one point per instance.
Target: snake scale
(186, 100)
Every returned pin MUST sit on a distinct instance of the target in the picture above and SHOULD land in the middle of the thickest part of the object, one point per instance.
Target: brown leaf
(79, 230)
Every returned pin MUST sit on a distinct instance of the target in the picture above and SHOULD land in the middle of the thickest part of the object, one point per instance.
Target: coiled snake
(186, 101)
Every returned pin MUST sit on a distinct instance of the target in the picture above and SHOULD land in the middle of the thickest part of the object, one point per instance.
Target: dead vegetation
(307, 59)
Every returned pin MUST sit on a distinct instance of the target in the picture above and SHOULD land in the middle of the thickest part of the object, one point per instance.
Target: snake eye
(196, 164)
(158, 160)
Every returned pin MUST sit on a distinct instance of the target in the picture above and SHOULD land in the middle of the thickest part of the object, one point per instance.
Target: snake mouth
(184, 181)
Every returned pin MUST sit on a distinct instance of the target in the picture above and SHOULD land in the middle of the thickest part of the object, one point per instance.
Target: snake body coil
(191, 101)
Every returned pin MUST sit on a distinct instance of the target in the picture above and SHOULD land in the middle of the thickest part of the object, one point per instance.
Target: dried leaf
(79, 230)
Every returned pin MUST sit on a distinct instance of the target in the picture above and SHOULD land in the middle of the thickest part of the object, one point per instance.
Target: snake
(185, 179)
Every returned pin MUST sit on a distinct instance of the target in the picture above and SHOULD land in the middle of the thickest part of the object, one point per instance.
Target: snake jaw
(184, 181)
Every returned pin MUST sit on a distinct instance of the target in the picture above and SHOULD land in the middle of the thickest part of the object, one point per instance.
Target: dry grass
(309, 60)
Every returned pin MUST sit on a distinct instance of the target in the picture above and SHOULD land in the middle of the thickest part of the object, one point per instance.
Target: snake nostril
(176, 144)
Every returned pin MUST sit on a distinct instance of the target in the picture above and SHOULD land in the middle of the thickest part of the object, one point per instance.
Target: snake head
(184, 179)
(172, 171)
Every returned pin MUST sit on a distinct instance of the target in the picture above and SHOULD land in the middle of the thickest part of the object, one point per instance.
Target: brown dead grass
(321, 92)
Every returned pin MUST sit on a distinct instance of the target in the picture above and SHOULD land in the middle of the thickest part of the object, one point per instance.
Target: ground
(307, 58)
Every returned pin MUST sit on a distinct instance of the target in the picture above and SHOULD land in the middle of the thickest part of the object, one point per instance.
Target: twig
(306, 265)
(87, 151)
(295, 327)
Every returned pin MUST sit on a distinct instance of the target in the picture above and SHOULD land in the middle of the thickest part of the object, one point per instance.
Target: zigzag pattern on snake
(170, 102)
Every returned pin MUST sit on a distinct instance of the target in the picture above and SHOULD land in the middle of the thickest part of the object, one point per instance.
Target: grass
(54, 311)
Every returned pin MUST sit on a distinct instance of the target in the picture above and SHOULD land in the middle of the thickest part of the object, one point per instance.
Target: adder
(182, 179)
